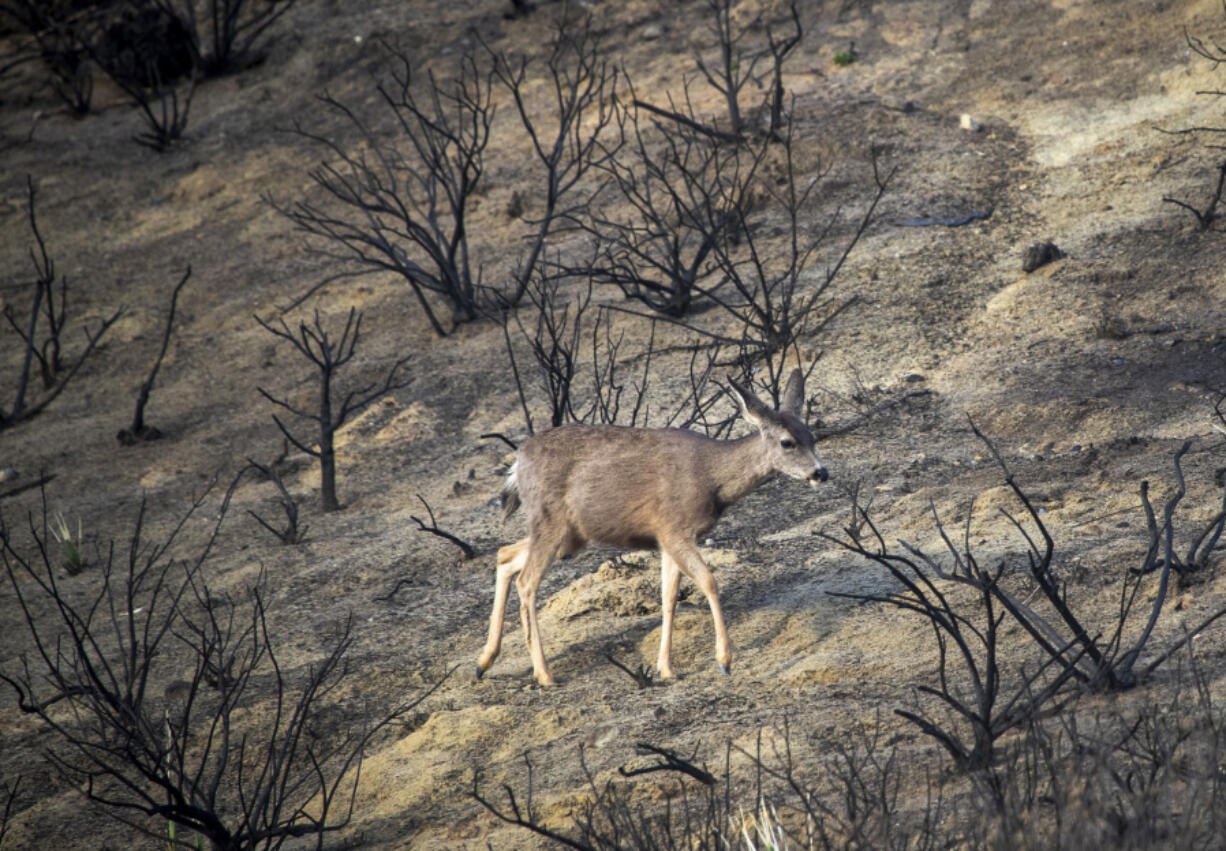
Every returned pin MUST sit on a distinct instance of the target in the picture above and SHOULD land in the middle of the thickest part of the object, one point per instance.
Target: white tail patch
(510, 491)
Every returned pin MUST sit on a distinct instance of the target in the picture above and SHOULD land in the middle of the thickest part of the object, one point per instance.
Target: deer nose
(820, 474)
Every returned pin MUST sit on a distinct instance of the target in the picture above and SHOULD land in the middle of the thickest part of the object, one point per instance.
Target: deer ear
(794, 394)
(753, 409)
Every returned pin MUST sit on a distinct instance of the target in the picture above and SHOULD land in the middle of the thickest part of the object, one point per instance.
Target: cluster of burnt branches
(580, 367)
(706, 227)
(402, 202)
(1131, 774)
(154, 50)
(168, 702)
(670, 203)
(683, 222)
(40, 331)
(1075, 651)
(1205, 216)
(609, 818)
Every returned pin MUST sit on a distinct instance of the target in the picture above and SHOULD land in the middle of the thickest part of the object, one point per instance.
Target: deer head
(787, 442)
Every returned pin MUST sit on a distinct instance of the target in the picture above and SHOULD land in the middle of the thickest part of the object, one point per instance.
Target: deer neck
(738, 467)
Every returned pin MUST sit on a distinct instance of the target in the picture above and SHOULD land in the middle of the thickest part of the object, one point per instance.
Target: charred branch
(433, 529)
(139, 431)
(643, 675)
(669, 760)
(292, 533)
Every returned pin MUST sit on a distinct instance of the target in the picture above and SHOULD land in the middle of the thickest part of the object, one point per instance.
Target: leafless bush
(773, 290)
(1073, 650)
(328, 355)
(1216, 54)
(148, 49)
(402, 201)
(230, 37)
(1136, 774)
(52, 31)
(704, 228)
(160, 41)
(568, 144)
(292, 533)
(851, 798)
(735, 64)
(50, 313)
(581, 369)
(152, 49)
(167, 702)
(973, 687)
(682, 191)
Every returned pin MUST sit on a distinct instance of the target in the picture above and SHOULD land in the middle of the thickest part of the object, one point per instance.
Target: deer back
(622, 486)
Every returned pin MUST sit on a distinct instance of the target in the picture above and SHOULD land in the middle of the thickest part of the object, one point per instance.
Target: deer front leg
(689, 560)
(511, 560)
(670, 579)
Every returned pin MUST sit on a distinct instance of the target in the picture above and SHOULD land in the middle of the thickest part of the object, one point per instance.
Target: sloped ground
(1088, 373)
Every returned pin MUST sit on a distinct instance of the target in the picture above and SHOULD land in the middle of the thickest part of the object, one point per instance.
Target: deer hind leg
(670, 579)
(511, 560)
(691, 564)
(540, 554)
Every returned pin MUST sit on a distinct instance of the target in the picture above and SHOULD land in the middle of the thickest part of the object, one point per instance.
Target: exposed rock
(1039, 254)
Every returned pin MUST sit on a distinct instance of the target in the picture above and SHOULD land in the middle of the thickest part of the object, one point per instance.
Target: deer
(640, 488)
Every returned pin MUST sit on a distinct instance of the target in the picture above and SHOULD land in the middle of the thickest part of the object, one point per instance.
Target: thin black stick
(494, 435)
(139, 431)
(672, 761)
(433, 529)
(687, 122)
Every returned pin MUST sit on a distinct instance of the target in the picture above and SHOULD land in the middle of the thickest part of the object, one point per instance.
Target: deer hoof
(726, 670)
(480, 671)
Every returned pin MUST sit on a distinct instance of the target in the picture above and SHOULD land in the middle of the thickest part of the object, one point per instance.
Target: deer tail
(510, 493)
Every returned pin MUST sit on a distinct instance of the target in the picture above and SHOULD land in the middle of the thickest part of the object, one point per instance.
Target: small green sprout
(843, 58)
(72, 547)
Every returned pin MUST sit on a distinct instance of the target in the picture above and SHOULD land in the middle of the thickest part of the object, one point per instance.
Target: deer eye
(787, 444)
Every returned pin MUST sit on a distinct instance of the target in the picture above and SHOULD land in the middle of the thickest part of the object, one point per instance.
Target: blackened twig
(494, 435)
(139, 431)
(1206, 217)
(642, 675)
(672, 762)
(433, 529)
(687, 122)
(291, 534)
